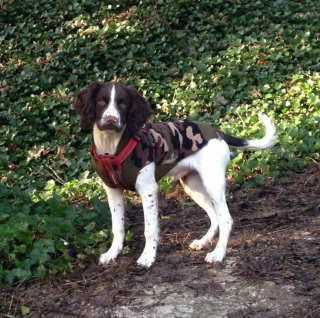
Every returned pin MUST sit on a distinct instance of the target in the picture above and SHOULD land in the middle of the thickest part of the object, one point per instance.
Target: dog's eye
(123, 105)
(101, 102)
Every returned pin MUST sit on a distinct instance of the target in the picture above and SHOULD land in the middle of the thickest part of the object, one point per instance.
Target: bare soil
(272, 268)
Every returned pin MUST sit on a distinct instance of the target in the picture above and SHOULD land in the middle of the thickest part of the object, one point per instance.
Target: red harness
(108, 162)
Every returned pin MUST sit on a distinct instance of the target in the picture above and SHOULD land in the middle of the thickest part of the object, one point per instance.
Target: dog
(194, 153)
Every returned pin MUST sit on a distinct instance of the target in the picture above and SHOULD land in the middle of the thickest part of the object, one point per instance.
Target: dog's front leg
(116, 205)
(147, 187)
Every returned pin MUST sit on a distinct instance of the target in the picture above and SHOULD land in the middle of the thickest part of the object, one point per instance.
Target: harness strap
(108, 162)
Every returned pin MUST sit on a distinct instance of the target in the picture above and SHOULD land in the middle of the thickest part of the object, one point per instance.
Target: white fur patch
(112, 107)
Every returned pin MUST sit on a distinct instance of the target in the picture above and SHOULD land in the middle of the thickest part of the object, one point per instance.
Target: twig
(54, 176)
(196, 221)
(310, 178)
(241, 119)
(280, 230)
(133, 295)
(281, 191)
(182, 233)
(174, 194)
(174, 95)
(11, 302)
(306, 74)
(84, 280)
(312, 160)
(312, 312)
(55, 173)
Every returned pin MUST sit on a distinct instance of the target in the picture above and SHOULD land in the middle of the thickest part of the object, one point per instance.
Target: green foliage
(166, 185)
(211, 60)
(25, 310)
(32, 234)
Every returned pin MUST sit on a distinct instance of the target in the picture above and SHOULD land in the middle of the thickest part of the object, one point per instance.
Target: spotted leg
(147, 187)
(116, 205)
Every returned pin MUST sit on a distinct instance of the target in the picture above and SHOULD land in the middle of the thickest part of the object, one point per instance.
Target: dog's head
(112, 106)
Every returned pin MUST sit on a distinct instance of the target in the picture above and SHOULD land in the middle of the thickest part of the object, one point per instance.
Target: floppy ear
(138, 112)
(84, 104)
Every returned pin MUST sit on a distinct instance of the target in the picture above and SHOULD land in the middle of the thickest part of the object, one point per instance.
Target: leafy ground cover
(217, 61)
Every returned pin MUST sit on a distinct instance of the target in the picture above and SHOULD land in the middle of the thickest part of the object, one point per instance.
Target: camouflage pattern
(163, 143)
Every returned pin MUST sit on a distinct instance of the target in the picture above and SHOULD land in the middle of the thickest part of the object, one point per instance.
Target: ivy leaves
(217, 61)
(40, 236)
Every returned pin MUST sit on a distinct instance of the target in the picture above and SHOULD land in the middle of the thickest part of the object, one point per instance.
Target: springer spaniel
(114, 110)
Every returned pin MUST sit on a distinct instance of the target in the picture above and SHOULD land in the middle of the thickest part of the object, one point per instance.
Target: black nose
(113, 121)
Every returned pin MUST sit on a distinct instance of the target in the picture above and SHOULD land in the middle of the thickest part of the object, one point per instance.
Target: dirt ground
(272, 268)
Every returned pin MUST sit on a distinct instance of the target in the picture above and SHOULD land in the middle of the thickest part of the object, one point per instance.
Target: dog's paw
(108, 257)
(197, 245)
(216, 256)
(146, 260)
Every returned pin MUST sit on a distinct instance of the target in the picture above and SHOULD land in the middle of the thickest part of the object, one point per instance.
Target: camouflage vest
(163, 143)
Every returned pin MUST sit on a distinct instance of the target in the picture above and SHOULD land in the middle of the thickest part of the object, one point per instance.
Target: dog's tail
(268, 141)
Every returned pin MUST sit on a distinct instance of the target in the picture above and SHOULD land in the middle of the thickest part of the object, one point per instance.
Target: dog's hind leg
(193, 187)
(212, 163)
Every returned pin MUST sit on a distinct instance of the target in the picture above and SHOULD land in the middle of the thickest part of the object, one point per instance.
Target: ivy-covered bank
(212, 60)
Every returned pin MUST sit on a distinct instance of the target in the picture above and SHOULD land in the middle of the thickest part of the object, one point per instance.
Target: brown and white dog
(113, 108)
